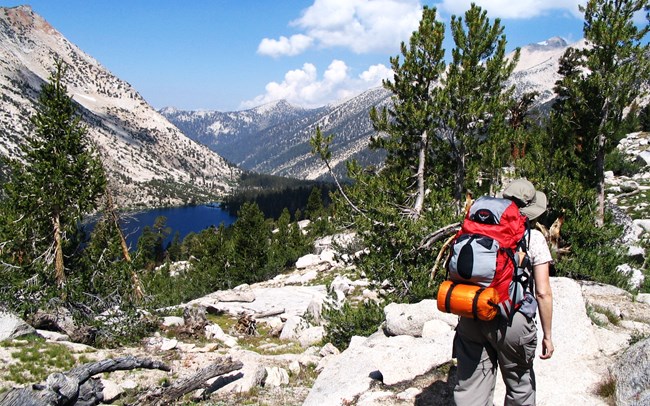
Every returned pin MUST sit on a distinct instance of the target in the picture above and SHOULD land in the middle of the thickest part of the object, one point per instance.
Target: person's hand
(547, 349)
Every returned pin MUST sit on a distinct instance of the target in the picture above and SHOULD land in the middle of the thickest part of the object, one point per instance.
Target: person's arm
(545, 307)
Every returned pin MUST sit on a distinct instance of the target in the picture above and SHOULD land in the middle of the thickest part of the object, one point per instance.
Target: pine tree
(408, 125)
(475, 98)
(60, 180)
(436, 125)
(174, 248)
(288, 243)
(251, 245)
(314, 208)
(607, 77)
(150, 250)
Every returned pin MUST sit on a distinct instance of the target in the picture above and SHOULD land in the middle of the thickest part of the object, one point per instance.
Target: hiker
(480, 346)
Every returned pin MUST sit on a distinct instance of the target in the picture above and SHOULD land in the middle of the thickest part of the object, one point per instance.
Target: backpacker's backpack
(489, 253)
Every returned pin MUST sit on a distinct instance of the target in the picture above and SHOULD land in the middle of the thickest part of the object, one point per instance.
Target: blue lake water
(184, 220)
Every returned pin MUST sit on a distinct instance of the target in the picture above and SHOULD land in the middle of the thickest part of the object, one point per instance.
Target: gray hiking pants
(480, 346)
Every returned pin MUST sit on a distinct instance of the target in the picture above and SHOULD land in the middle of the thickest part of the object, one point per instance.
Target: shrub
(352, 320)
(617, 162)
(595, 253)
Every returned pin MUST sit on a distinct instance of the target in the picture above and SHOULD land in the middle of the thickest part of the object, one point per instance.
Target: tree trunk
(166, 396)
(600, 165)
(419, 200)
(64, 388)
(459, 178)
(138, 291)
(600, 188)
(59, 269)
(110, 208)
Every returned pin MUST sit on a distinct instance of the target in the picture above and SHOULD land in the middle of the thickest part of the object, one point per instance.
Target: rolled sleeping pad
(470, 301)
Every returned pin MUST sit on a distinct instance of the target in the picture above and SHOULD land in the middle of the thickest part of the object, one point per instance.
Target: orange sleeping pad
(468, 300)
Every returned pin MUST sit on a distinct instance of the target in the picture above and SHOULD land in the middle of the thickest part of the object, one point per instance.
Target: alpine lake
(182, 220)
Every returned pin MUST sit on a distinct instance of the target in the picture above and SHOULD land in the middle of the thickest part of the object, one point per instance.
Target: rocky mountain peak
(23, 18)
(148, 161)
(274, 138)
(551, 43)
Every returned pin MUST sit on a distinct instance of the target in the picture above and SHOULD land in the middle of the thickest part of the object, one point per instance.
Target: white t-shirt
(538, 250)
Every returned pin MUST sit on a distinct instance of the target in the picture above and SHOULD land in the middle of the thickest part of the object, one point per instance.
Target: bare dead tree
(69, 388)
(165, 396)
(112, 215)
(61, 389)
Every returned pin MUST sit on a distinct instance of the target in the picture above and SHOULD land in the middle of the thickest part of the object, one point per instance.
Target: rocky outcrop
(582, 353)
(632, 374)
(11, 326)
(407, 361)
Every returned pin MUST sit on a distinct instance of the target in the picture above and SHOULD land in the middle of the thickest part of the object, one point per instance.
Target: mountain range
(148, 161)
(173, 157)
(274, 138)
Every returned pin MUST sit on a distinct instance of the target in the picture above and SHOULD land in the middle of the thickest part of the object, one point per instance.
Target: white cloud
(376, 73)
(295, 45)
(362, 26)
(303, 87)
(512, 9)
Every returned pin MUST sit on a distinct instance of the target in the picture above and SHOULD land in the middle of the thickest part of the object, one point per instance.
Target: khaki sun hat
(531, 203)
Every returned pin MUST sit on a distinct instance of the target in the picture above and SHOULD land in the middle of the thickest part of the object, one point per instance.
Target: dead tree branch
(61, 389)
(438, 235)
(320, 146)
(165, 396)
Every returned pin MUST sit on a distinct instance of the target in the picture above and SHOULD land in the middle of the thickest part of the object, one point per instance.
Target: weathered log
(62, 389)
(269, 313)
(91, 392)
(246, 325)
(60, 320)
(194, 322)
(85, 371)
(164, 396)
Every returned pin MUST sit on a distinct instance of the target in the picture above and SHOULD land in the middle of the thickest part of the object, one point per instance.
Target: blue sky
(230, 55)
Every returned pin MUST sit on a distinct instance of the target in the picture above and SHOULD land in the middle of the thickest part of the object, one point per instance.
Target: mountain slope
(147, 159)
(274, 138)
(538, 66)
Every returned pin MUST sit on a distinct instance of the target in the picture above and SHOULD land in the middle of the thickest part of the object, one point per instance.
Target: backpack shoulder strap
(526, 268)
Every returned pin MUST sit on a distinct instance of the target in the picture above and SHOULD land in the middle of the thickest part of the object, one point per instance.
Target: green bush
(124, 327)
(352, 320)
(617, 162)
(595, 252)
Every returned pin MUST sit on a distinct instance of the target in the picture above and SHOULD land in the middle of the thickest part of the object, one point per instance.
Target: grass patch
(262, 343)
(323, 278)
(607, 389)
(226, 322)
(608, 313)
(36, 359)
(306, 377)
(636, 336)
